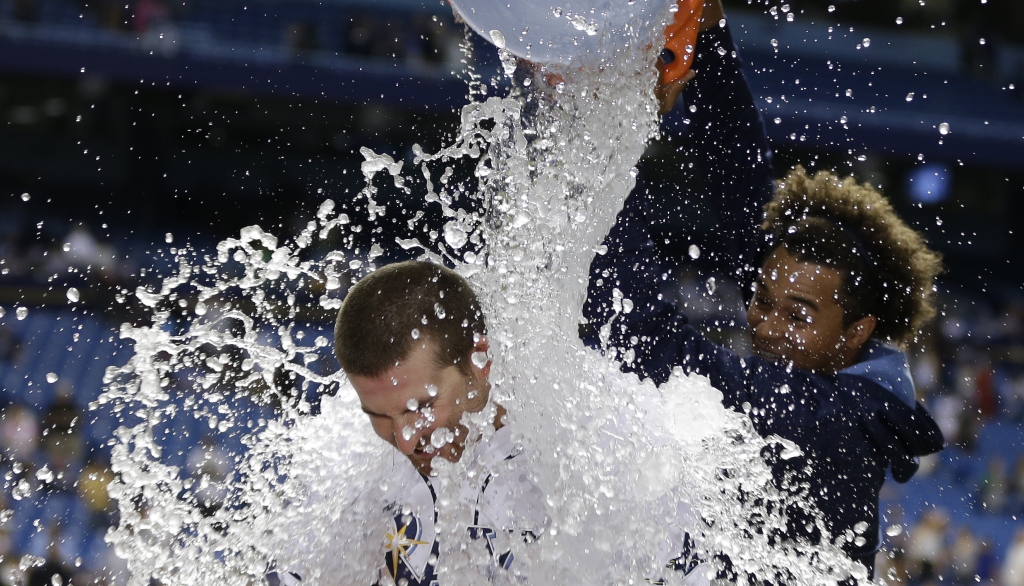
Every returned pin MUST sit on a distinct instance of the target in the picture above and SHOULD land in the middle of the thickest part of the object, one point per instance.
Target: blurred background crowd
(132, 132)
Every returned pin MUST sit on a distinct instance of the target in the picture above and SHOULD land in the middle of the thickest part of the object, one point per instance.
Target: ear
(483, 345)
(860, 331)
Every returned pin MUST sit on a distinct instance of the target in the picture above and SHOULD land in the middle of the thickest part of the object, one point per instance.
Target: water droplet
(944, 128)
(30, 561)
(831, 7)
(899, 20)
(432, 390)
(557, 12)
(45, 474)
(21, 490)
(25, 197)
(479, 359)
(498, 39)
(712, 285)
(441, 437)
(21, 312)
(51, 377)
(168, 238)
(866, 42)
(580, 23)
(910, 97)
(74, 295)
(790, 451)
(407, 433)
(415, 334)
(894, 530)
(694, 251)
(412, 404)
(439, 311)
(454, 235)
(66, 247)
(3, 311)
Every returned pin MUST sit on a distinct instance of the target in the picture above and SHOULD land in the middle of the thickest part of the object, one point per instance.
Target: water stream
(612, 456)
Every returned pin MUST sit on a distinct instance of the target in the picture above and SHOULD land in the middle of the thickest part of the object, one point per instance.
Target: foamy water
(611, 457)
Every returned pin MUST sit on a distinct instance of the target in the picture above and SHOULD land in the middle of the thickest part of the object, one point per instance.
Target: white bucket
(562, 32)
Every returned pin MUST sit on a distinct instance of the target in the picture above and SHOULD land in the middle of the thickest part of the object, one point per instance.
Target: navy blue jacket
(853, 425)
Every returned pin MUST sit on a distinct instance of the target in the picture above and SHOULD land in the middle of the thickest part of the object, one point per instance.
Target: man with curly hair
(840, 285)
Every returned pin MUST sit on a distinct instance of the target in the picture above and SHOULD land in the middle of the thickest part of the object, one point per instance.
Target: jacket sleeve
(724, 135)
(625, 309)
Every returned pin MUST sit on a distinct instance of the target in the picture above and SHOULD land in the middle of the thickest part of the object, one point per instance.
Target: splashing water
(613, 456)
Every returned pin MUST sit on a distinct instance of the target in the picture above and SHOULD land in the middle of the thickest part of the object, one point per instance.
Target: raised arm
(726, 135)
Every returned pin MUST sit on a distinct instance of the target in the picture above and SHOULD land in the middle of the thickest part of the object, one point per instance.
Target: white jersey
(506, 502)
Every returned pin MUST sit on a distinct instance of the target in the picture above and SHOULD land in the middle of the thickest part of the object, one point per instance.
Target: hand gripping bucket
(578, 32)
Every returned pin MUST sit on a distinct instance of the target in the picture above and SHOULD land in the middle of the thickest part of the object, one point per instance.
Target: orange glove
(680, 39)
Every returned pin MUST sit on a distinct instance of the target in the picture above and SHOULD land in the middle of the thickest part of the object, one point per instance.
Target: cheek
(803, 340)
(754, 318)
(820, 341)
(801, 332)
(384, 429)
(449, 417)
(476, 399)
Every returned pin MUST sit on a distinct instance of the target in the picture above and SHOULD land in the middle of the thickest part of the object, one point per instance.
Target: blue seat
(1002, 438)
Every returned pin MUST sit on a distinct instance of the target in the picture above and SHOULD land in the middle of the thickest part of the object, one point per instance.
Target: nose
(406, 435)
(768, 325)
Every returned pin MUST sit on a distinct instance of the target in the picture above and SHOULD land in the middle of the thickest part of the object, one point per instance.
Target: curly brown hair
(888, 269)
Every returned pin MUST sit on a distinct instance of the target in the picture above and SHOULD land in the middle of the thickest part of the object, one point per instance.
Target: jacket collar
(888, 367)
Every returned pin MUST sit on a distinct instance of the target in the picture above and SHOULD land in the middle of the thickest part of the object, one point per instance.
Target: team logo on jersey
(401, 542)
